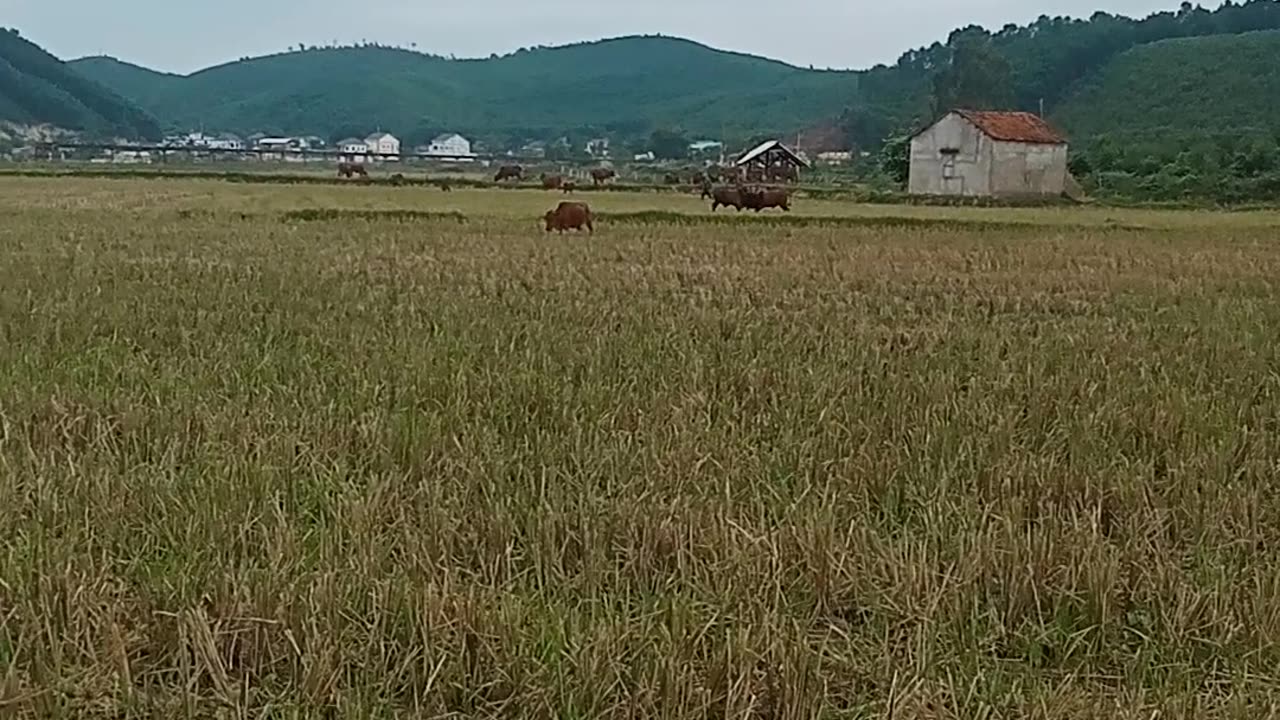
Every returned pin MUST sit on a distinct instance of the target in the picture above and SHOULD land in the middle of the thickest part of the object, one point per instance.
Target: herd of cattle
(734, 193)
(737, 195)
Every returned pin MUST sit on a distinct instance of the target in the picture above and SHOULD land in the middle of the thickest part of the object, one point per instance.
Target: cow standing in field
(764, 198)
(600, 176)
(671, 179)
(509, 172)
(726, 197)
(569, 186)
(552, 182)
(349, 170)
(569, 216)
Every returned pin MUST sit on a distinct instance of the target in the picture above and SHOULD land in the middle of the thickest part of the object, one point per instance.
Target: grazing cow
(552, 182)
(446, 187)
(601, 176)
(569, 186)
(764, 198)
(509, 172)
(569, 216)
(726, 197)
(350, 169)
(671, 179)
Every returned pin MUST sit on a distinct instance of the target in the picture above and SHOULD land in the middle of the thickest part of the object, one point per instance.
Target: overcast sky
(186, 35)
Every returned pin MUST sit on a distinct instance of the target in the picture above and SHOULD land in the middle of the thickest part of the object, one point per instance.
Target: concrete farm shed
(980, 153)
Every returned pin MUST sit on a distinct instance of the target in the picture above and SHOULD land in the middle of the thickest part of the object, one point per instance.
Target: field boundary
(858, 194)
(742, 220)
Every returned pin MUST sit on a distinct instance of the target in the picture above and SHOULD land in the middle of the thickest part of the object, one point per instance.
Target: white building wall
(1028, 169)
(453, 145)
(966, 172)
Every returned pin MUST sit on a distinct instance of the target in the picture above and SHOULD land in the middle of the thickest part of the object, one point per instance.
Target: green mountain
(1093, 76)
(1214, 84)
(37, 88)
(626, 85)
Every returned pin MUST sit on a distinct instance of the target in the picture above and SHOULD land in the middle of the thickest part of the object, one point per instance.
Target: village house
(384, 146)
(835, 157)
(536, 149)
(598, 147)
(226, 141)
(273, 144)
(352, 149)
(450, 146)
(988, 154)
(706, 150)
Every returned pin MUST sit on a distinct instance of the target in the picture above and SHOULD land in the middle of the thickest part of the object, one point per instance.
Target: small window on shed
(949, 162)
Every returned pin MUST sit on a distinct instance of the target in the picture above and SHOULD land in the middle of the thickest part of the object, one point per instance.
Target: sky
(187, 35)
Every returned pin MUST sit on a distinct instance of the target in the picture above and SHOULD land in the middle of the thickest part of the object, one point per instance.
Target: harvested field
(278, 451)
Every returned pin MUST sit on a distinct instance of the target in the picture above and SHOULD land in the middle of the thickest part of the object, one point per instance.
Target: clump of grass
(362, 466)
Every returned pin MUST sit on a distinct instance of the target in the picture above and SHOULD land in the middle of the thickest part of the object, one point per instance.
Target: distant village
(384, 147)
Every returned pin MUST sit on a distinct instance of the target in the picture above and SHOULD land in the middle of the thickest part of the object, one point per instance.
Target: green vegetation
(37, 88)
(1183, 119)
(1211, 84)
(380, 463)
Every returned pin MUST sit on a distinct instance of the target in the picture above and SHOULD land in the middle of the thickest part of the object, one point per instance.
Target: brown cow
(727, 197)
(569, 186)
(351, 169)
(509, 172)
(552, 182)
(569, 216)
(601, 176)
(764, 198)
(446, 187)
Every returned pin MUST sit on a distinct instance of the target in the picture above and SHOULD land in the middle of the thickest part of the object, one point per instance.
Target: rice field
(326, 451)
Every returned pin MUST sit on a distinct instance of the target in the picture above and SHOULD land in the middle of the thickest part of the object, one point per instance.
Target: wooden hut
(771, 162)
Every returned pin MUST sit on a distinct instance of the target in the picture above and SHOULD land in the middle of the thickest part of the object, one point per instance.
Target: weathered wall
(972, 166)
(1028, 169)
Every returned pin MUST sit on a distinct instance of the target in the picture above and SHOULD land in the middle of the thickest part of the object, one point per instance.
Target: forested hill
(38, 88)
(1081, 71)
(624, 86)
(1212, 84)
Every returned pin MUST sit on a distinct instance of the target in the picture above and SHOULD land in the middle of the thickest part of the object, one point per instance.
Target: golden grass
(370, 467)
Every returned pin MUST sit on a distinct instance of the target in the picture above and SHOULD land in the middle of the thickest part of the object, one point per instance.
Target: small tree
(895, 158)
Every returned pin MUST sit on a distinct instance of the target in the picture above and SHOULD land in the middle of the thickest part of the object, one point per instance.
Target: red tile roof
(1013, 126)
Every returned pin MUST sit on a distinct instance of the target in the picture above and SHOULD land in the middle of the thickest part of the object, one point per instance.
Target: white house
(706, 149)
(383, 145)
(226, 141)
(985, 153)
(274, 144)
(598, 147)
(352, 149)
(452, 146)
